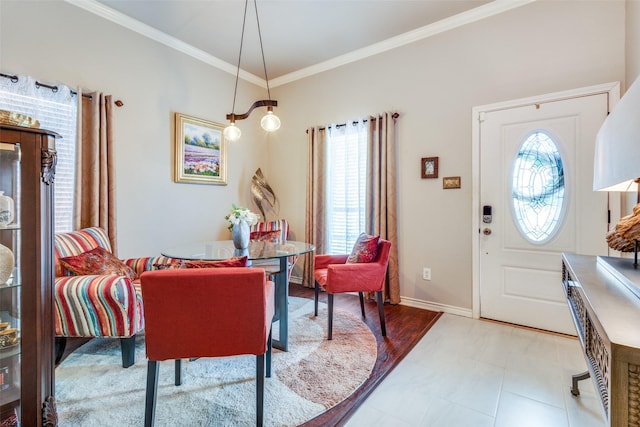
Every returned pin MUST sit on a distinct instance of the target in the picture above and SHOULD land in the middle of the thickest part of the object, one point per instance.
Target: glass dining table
(257, 253)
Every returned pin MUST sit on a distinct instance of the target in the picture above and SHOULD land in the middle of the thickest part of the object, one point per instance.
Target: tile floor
(475, 373)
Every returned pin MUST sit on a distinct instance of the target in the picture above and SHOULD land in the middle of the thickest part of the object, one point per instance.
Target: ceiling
(299, 36)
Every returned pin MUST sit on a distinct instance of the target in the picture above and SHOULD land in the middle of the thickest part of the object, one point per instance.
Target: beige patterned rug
(92, 388)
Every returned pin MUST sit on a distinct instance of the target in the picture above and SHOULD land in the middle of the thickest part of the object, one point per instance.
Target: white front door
(536, 174)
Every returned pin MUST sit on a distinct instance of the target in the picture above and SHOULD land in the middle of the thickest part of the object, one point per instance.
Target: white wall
(632, 62)
(54, 41)
(632, 41)
(542, 47)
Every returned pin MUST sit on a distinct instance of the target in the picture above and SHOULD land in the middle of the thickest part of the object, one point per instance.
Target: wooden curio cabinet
(27, 167)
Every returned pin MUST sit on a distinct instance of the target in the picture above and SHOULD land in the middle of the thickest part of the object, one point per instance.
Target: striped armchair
(98, 305)
(275, 231)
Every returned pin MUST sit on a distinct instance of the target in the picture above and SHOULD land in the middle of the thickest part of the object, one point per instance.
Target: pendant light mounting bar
(270, 103)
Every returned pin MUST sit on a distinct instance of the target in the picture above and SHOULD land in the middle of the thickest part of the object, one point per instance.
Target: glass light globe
(270, 122)
(232, 132)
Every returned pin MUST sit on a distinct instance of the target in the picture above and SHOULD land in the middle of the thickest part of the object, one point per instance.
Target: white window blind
(346, 185)
(56, 111)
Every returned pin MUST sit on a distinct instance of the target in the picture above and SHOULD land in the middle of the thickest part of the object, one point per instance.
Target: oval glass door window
(538, 188)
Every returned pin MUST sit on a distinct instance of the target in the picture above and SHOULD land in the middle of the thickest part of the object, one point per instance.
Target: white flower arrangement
(238, 214)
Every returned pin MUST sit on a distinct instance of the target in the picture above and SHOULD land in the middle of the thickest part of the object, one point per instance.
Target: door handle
(486, 231)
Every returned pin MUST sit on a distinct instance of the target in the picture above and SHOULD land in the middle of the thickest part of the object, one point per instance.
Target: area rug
(92, 388)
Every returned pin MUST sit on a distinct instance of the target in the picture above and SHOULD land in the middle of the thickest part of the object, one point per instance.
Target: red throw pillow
(274, 236)
(96, 262)
(365, 249)
(231, 262)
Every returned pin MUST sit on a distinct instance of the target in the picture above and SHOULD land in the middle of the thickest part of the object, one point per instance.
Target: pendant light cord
(264, 64)
(244, 21)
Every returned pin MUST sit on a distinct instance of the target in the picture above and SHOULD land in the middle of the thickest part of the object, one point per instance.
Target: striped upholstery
(278, 224)
(272, 266)
(97, 306)
(140, 265)
(77, 242)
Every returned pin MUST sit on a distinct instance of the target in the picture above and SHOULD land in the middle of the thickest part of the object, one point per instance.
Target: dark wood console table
(602, 293)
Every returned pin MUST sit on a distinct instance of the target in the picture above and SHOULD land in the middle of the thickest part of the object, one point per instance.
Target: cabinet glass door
(10, 285)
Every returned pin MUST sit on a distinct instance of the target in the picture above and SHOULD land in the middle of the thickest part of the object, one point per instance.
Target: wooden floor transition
(405, 327)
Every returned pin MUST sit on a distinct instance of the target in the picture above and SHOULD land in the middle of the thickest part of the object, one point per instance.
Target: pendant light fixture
(270, 122)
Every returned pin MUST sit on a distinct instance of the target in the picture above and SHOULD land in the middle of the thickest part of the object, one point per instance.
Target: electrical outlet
(426, 273)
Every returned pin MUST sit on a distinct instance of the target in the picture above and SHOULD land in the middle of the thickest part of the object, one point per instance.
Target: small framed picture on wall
(451, 182)
(429, 167)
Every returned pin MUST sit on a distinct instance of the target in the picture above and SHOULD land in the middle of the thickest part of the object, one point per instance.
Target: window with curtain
(346, 185)
(56, 111)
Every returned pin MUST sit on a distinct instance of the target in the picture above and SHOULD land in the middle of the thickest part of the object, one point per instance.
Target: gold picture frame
(449, 182)
(200, 151)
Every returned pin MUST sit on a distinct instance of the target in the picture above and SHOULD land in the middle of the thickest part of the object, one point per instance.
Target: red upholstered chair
(336, 276)
(206, 312)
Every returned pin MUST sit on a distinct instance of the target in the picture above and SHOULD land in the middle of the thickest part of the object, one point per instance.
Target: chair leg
(259, 389)
(315, 299)
(128, 348)
(361, 295)
(61, 344)
(152, 389)
(381, 313)
(178, 371)
(269, 348)
(330, 314)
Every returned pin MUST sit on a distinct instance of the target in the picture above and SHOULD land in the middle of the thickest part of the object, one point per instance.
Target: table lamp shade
(617, 155)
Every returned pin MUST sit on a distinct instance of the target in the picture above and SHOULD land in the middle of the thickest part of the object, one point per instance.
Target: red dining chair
(336, 275)
(207, 312)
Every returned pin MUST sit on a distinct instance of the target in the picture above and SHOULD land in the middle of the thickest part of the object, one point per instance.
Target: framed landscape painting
(200, 151)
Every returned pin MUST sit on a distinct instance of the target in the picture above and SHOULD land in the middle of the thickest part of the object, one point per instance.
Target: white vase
(240, 235)
(7, 210)
(6, 264)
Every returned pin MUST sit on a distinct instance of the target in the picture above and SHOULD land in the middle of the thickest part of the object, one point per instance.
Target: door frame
(612, 90)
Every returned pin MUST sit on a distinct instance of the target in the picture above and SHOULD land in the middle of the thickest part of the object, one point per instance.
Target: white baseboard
(417, 303)
(434, 306)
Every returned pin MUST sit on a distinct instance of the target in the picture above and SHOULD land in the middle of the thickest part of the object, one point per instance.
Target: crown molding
(161, 37)
(473, 15)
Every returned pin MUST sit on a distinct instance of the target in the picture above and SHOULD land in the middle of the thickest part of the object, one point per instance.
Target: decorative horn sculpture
(262, 192)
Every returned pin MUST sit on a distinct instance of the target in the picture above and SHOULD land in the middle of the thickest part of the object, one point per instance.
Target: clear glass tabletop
(215, 250)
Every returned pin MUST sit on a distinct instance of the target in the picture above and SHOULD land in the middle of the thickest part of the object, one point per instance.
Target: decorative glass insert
(538, 188)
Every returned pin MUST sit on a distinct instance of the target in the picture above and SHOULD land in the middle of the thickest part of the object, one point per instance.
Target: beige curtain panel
(382, 194)
(95, 202)
(314, 224)
(381, 210)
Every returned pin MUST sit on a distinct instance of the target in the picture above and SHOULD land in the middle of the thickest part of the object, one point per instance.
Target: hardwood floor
(405, 327)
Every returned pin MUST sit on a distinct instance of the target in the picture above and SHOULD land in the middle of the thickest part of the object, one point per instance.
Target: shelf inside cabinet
(10, 398)
(10, 384)
(11, 284)
(11, 351)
